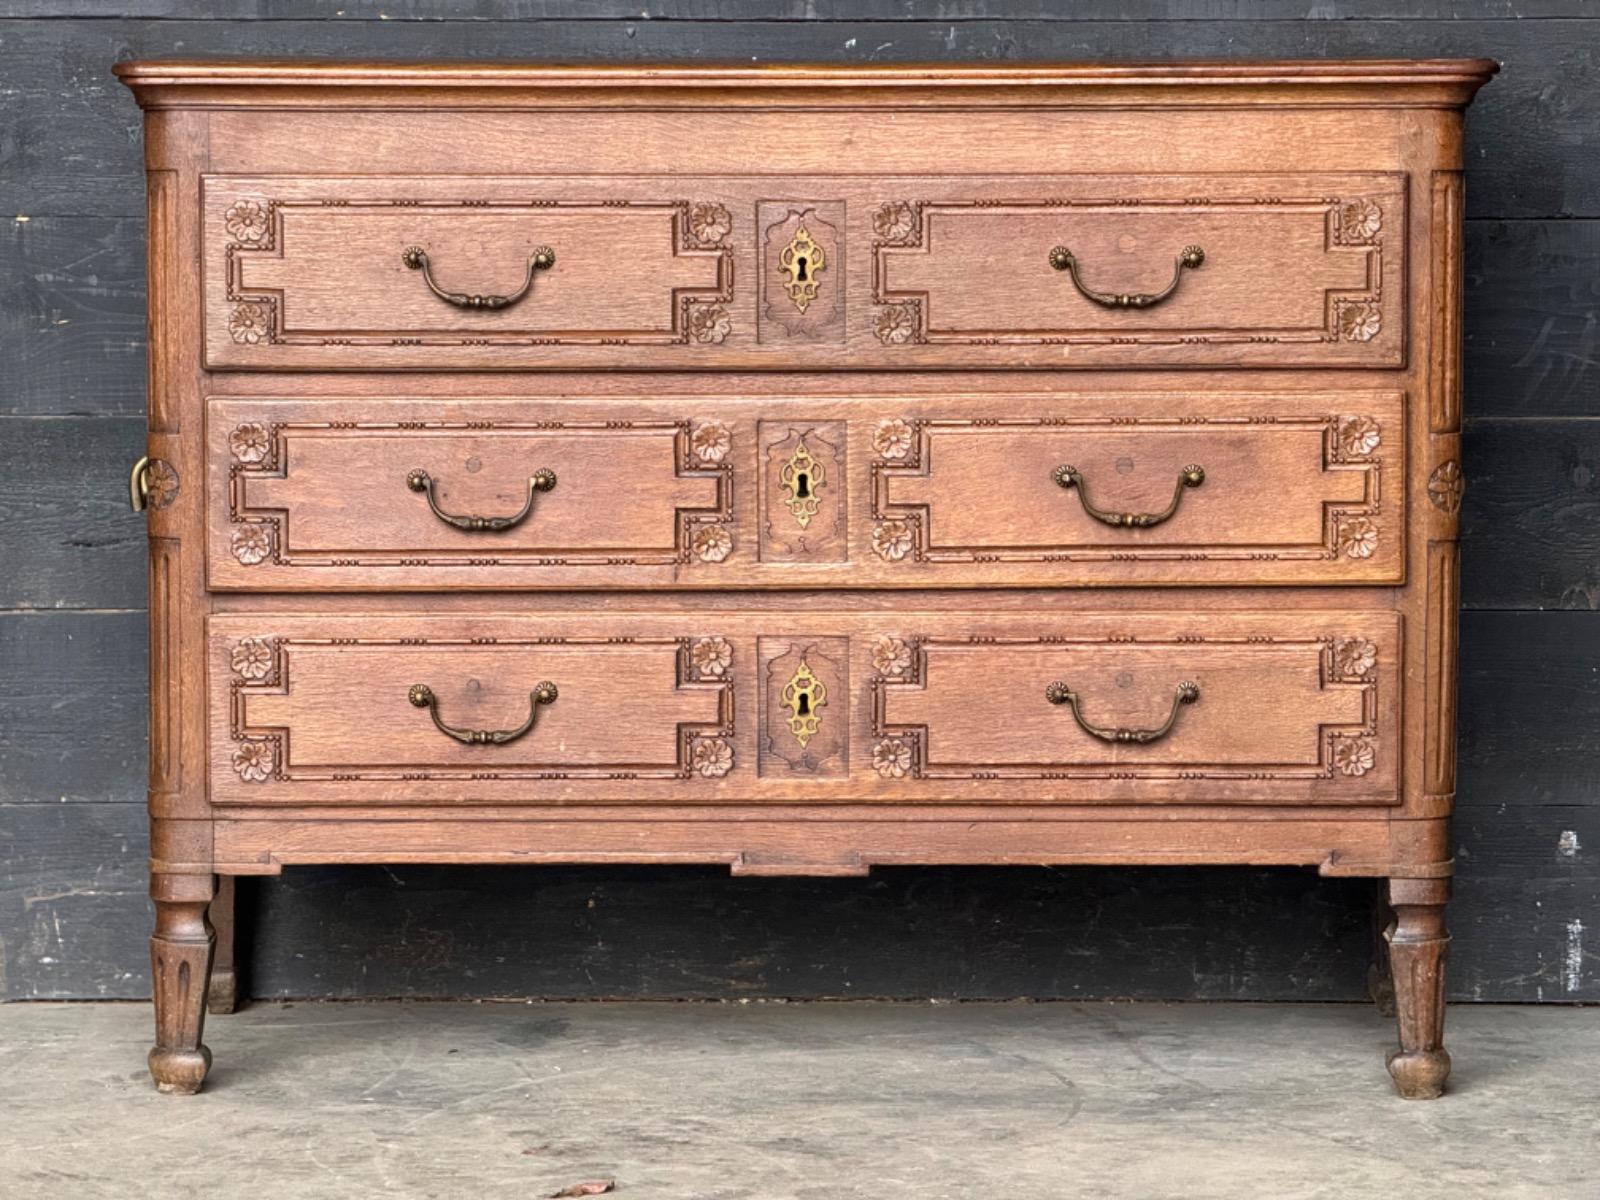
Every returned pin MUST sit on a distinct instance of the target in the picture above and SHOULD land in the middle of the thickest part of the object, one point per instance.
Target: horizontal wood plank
(76, 149)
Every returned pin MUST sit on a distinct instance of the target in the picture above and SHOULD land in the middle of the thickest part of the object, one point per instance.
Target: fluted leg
(180, 963)
(1418, 943)
(222, 997)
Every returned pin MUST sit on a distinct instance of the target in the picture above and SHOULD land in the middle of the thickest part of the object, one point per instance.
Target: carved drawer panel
(1244, 270)
(876, 270)
(358, 272)
(843, 491)
(908, 706)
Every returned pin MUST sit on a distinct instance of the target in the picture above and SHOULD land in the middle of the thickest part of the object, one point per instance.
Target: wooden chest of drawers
(803, 469)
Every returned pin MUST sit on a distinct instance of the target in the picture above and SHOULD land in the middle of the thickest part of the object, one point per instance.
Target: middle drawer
(880, 491)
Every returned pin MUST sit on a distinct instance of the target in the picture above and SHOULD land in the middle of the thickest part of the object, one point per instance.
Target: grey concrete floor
(799, 1102)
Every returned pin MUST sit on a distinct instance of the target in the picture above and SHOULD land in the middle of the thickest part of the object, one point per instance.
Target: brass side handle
(542, 259)
(1060, 693)
(541, 480)
(1070, 477)
(1063, 259)
(421, 695)
(139, 484)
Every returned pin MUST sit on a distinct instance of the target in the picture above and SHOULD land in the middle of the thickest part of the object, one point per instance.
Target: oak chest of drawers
(803, 469)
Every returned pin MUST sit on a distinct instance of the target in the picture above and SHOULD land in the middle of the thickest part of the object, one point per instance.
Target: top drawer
(876, 272)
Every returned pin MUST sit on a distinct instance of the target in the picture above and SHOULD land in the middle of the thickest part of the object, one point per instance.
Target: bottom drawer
(706, 708)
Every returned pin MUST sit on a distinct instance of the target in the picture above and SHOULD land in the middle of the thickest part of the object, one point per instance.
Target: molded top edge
(1461, 77)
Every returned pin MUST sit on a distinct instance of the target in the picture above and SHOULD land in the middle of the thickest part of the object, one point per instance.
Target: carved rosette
(248, 222)
(710, 442)
(706, 226)
(1353, 660)
(1357, 537)
(710, 658)
(255, 761)
(1445, 486)
(1353, 756)
(892, 757)
(897, 324)
(893, 439)
(710, 757)
(891, 657)
(711, 543)
(254, 660)
(1356, 438)
(250, 443)
(1358, 320)
(252, 543)
(897, 223)
(893, 539)
(161, 483)
(1359, 223)
(250, 322)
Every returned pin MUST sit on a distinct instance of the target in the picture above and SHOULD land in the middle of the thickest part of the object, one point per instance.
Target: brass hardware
(542, 259)
(139, 484)
(421, 695)
(1063, 259)
(802, 260)
(1060, 693)
(541, 480)
(1069, 477)
(803, 695)
(802, 478)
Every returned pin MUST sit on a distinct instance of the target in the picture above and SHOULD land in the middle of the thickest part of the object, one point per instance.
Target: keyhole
(800, 264)
(805, 705)
(802, 485)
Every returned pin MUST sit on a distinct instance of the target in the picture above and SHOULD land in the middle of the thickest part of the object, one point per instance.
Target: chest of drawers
(803, 469)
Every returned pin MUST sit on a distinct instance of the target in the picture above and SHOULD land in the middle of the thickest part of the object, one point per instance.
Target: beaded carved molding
(695, 315)
(1349, 225)
(265, 450)
(264, 666)
(902, 665)
(907, 448)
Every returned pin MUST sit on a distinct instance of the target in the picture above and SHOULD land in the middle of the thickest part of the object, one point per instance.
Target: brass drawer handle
(1063, 259)
(541, 480)
(542, 259)
(1070, 477)
(1060, 693)
(422, 696)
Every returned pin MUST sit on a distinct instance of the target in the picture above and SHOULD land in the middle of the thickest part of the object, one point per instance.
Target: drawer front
(712, 492)
(883, 271)
(1297, 708)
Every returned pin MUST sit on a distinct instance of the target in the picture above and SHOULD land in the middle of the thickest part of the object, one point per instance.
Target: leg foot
(180, 964)
(222, 997)
(1418, 943)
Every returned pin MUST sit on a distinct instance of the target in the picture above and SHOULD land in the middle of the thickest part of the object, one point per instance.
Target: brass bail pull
(421, 696)
(139, 484)
(542, 480)
(1063, 259)
(1060, 693)
(1069, 477)
(542, 259)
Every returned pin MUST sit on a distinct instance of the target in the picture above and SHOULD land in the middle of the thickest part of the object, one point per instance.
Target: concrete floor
(799, 1102)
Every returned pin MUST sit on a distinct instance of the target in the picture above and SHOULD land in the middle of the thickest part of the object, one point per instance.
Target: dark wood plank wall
(73, 918)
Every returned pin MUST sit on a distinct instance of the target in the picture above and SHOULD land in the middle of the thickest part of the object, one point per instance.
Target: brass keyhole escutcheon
(802, 477)
(802, 260)
(803, 695)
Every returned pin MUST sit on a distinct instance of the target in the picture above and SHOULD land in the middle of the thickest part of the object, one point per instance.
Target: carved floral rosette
(705, 450)
(708, 752)
(1355, 439)
(896, 663)
(1351, 661)
(896, 320)
(251, 224)
(706, 225)
(895, 536)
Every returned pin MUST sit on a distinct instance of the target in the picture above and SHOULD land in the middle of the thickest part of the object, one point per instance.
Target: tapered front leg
(1418, 943)
(180, 964)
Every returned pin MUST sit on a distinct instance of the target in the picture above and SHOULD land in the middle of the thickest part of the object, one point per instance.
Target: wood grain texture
(1528, 288)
